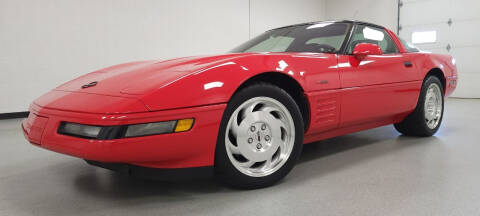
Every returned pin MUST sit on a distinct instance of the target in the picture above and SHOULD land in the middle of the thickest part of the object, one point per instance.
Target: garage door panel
(418, 8)
(443, 35)
(433, 15)
(465, 10)
(440, 50)
(468, 75)
(462, 34)
(467, 86)
(465, 58)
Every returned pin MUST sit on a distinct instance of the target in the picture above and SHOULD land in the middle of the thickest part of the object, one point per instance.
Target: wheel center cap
(259, 137)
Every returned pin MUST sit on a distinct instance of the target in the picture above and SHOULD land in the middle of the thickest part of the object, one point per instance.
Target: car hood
(137, 78)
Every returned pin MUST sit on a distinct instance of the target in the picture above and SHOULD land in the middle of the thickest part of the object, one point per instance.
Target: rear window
(409, 46)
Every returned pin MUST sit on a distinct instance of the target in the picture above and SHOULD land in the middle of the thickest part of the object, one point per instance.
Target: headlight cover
(85, 131)
(150, 128)
(124, 131)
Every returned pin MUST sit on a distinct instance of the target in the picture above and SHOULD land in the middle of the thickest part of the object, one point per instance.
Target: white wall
(268, 14)
(45, 43)
(381, 12)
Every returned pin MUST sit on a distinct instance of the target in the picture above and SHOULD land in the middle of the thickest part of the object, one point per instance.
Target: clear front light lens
(80, 130)
(150, 128)
(121, 131)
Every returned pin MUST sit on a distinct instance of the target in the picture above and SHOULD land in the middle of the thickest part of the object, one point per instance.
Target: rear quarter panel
(425, 62)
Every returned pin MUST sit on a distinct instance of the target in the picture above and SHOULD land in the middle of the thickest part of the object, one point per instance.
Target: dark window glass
(368, 34)
(409, 46)
(326, 37)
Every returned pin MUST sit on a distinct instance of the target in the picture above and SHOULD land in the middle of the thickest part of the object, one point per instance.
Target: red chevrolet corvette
(245, 115)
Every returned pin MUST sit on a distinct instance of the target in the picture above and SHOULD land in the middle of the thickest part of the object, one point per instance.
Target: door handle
(408, 64)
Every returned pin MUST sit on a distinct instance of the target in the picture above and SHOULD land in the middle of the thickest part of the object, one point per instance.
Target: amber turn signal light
(184, 125)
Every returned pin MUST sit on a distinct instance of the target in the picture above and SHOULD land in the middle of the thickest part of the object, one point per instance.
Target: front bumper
(141, 172)
(193, 148)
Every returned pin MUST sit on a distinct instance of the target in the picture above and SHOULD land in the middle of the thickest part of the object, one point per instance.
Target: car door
(379, 86)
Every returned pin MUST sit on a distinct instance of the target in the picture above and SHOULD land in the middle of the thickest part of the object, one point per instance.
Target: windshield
(324, 37)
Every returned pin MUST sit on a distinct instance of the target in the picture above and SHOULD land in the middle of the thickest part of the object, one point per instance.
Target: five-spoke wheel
(433, 105)
(427, 116)
(260, 137)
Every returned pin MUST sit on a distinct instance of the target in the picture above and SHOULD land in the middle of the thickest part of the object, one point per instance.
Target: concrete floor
(376, 172)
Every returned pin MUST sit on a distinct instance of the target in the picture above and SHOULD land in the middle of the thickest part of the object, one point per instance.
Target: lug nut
(267, 138)
(259, 146)
(250, 140)
(252, 128)
(264, 126)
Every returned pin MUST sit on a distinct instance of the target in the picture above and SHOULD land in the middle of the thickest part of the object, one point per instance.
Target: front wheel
(260, 137)
(427, 116)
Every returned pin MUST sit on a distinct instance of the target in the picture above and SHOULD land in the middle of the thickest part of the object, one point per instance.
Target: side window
(334, 41)
(368, 34)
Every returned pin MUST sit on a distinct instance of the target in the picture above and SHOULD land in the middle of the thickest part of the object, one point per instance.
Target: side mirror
(362, 50)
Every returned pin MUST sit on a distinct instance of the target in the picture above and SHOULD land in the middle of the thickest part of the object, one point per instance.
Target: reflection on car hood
(138, 78)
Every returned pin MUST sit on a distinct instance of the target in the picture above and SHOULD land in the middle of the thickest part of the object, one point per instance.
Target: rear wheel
(427, 116)
(260, 138)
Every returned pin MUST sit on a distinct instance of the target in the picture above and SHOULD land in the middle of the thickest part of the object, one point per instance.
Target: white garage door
(449, 27)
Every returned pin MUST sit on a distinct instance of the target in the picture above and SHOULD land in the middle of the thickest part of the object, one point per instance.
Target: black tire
(224, 167)
(415, 124)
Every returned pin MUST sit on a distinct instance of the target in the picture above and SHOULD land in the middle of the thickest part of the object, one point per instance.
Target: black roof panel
(334, 21)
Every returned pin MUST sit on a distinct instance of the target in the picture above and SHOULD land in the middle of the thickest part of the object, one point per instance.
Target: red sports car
(245, 115)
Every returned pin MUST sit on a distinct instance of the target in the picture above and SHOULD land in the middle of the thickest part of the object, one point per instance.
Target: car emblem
(90, 84)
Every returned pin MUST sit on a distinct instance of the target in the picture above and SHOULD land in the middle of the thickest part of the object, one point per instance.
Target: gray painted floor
(376, 172)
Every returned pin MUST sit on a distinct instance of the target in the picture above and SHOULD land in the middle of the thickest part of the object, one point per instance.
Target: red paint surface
(344, 94)
(186, 149)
